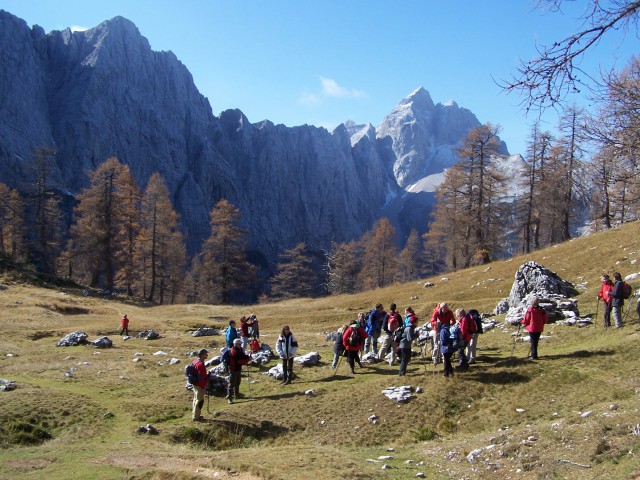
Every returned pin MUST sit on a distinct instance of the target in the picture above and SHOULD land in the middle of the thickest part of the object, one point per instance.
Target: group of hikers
(389, 336)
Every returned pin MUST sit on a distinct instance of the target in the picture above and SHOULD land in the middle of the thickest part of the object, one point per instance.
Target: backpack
(354, 337)
(475, 320)
(455, 335)
(398, 333)
(626, 290)
(368, 324)
(191, 374)
(226, 356)
(394, 319)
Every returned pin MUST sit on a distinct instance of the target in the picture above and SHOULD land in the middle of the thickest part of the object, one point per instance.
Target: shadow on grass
(495, 378)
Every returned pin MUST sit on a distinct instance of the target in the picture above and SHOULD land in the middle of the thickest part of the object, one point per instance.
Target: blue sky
(322, 62)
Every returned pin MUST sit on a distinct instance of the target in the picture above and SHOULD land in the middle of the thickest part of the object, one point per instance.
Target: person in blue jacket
(446, 347)
(232, 333)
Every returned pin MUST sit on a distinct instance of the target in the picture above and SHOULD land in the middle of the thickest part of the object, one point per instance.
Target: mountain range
(103, 92)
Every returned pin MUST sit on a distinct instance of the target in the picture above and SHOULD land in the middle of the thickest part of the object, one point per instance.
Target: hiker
(638, 305)
(446, 347)
(474, 320)
(617, 303)
(464, 324)
(338, 346)
(232, 333)
(286, 347)
(353, 340)
(255, 346)
(124, 325)
(441, 316)
(237, 358)
(255, 327)
(404, 344)
(391, 321)
(605, 288)
(534, 321)
(244, 332)
(374, 328)
(200, 387)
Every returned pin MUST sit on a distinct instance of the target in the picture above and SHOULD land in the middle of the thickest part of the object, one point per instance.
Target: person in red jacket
(441, 316)
(534, 321)
(200, 387)
(244, 332)
(465, 328)
(124, 325)
(605, 288)
(353, 341)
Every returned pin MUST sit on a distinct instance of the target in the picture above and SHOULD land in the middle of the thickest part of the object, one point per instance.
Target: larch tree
(410, 259)
(96, 242)
(224, 273)
(295, 274)
(159, 250)
(345, 264)
(380, 255)
(12, 223)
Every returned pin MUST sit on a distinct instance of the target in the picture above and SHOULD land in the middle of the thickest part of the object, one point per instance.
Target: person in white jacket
(286, 347)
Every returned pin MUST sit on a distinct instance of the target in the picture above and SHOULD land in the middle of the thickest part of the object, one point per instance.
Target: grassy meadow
(574, 413)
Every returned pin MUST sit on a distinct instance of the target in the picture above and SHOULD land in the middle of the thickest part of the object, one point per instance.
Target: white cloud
(330, 88)
(76, 28)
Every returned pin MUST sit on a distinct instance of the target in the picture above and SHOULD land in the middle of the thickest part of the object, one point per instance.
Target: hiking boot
(198, 419)
(229, 400)
(353, 372)
(239, 395)
(287, 381)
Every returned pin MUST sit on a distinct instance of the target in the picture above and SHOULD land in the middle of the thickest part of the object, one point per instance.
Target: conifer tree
(380, 255)
(345, 264)
(160, 251)
(225, 271)
(295, 275)
(11, 222)
(410, 259)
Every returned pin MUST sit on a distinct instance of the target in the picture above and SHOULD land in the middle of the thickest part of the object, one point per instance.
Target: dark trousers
(448, 369)
(287, 369)
(534, 338)
(353, 358)
(607, 313)
(234, 384)
(464, 362)
(405, 356)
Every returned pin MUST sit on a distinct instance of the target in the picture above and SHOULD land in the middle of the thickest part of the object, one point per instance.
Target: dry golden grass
(83, 426)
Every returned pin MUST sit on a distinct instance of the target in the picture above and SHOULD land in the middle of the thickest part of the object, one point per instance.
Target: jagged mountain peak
(419, 98)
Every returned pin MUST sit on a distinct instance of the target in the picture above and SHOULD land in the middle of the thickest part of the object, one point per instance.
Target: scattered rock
(148, 335)
(420, 475)
(401, 394)
(205, 332)
(102, 342)
(160, 353)
(310, 392)
(73, 339)
(372, 418)
(385, 457)
(428, 284)
(311, 359)
(473, 455)
(174, 361)
(519, 410)
(7, 385)
(136, 360)
(586, 414)
(150, 429)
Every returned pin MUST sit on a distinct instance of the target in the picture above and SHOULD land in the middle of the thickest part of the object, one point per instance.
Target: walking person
(404, 344)
(237, 358)
(374, 329)
(286, 347)
(472, 346)
(464, 324)
(534, 321)
(617, 302)
(124, 325)
(353, 341)
(446, 347)
(338, 346)
(391, 322)
(200, 387)
(232, 334)
(603, 294)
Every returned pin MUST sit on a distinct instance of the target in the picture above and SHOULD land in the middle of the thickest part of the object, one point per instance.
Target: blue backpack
(455, 334)
(445, 339)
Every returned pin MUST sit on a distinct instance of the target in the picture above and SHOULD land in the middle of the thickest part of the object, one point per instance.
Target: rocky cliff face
(104, 92)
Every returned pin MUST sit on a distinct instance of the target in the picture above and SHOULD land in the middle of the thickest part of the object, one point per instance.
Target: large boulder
(73, 339)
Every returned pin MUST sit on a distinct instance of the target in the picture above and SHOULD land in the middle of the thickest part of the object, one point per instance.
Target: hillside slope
(506, 417)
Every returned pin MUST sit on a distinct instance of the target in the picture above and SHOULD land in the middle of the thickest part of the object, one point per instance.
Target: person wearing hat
(534, 321)
(124, 325)
(353, 340)
(237, 358)
(605, 288)
(255, 327)
(200, 387)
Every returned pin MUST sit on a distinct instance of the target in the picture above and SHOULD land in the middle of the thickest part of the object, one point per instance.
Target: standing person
(476, 319)
(124, 325)
(353, 341)
(338, 347)
(404, 345)
(200, 387)
(232, 333)
(255, 327)
(441, 316)
(638, 305)
(446, 347)
(617, 303)
(244, 332)
(411, 315)
(464, 323)
(391, 321)
(237, 358)
(286, 347)
(534, 321)
(603, 294)
(374, 329)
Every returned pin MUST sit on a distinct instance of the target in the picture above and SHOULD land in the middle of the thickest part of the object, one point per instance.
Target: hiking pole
(249, 380)
(338, 364)
(595, 321)
(513, 349)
